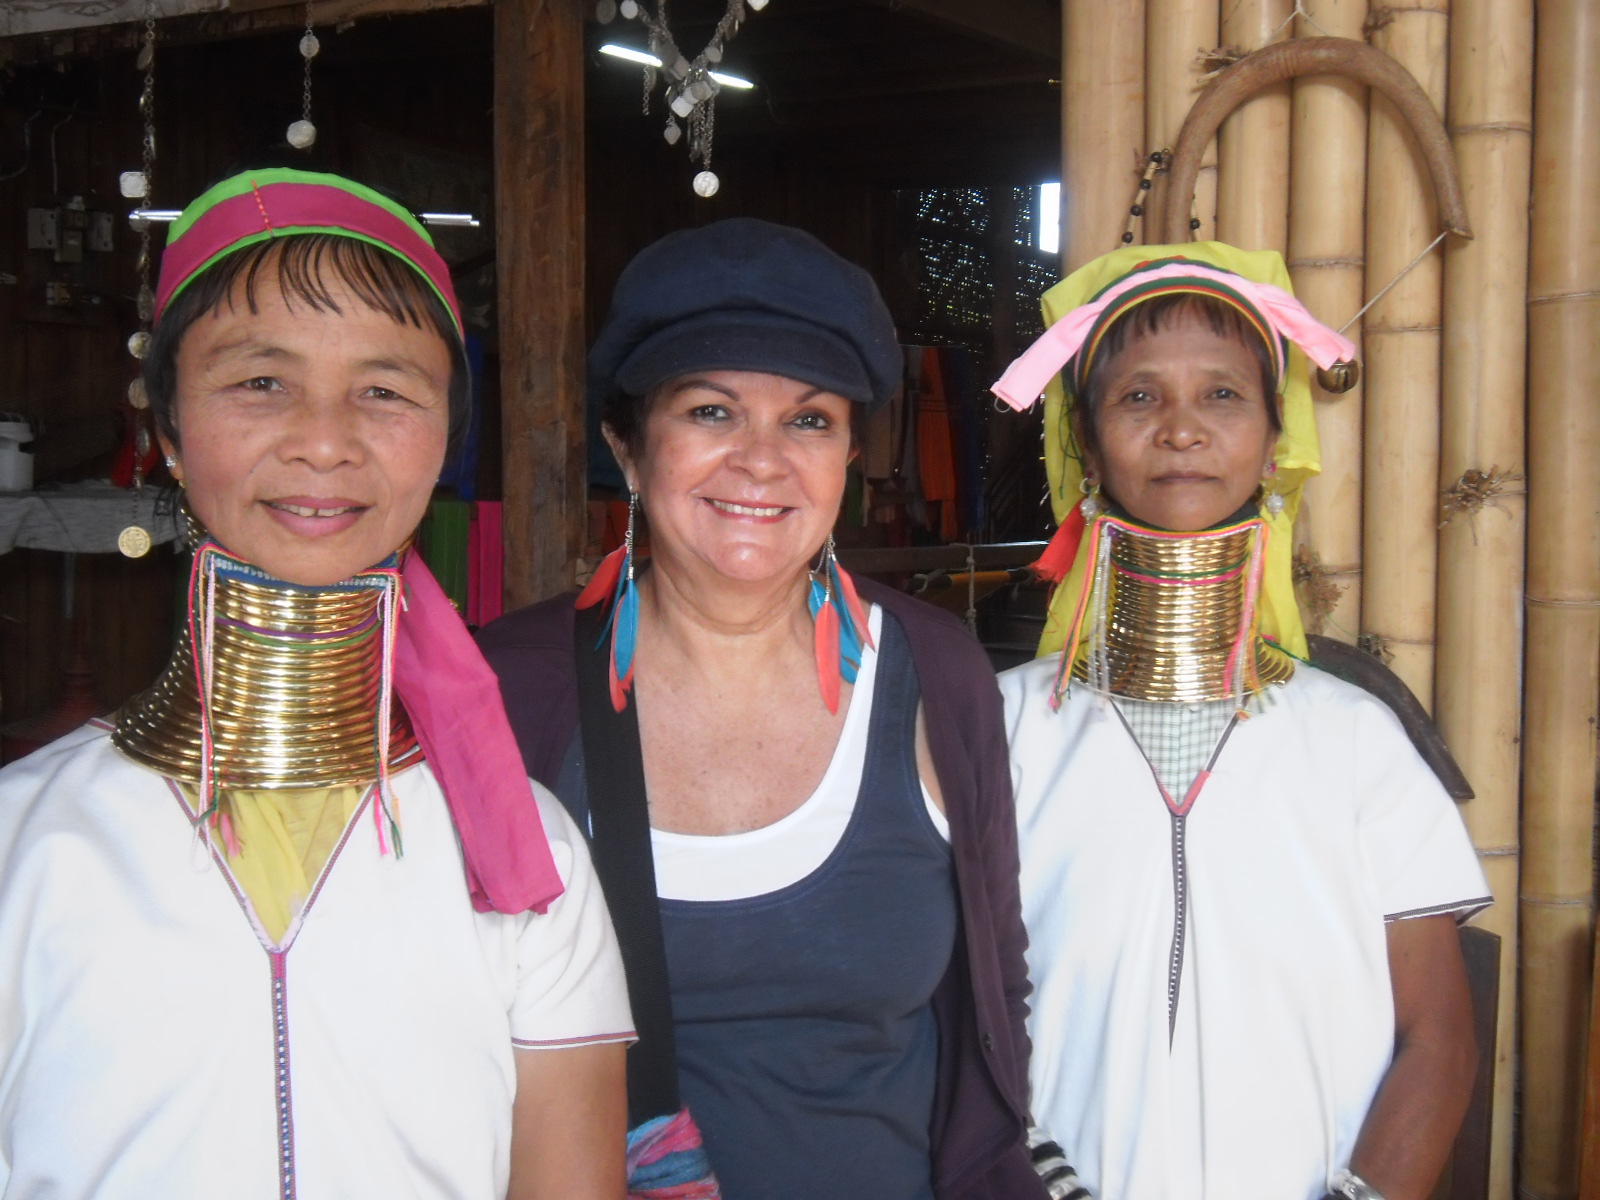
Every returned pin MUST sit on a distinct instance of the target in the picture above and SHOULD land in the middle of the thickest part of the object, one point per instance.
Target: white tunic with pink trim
(153, 1043)
(1212, 1010)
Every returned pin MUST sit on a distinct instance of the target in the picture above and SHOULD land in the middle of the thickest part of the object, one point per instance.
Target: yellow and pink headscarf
(1079, 310)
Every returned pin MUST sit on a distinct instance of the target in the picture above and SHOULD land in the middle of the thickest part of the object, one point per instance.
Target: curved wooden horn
(1312, 56)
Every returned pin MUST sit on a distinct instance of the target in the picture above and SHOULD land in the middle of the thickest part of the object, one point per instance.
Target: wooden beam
(539, 228)
(1033, 26)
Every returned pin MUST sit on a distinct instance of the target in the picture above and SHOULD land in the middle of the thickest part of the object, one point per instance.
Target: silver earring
(1271, 498)
(1090, 505)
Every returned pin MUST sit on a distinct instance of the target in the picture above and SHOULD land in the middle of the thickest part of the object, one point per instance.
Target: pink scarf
(453, 698)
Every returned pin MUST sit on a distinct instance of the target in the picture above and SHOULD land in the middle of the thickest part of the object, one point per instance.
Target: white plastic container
(16, 464)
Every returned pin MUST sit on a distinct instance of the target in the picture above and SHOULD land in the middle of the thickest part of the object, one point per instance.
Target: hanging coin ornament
(138, 397)
(134, 541)
(605, 11)
(139, 344)
(302, 134)
(691, 88)
(132, 185)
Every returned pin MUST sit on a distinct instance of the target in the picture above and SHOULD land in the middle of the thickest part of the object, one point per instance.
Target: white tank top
(734, 866)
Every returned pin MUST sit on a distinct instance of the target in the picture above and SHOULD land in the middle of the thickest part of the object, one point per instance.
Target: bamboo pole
(1177, 34)
(1253, 146)
(1102, 124)
(1327, 198)
(1478, 672)
(1402, 336)
(1563, 662)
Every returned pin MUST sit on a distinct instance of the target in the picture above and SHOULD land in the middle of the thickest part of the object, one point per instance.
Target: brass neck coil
(1172, 616)
(296, 680)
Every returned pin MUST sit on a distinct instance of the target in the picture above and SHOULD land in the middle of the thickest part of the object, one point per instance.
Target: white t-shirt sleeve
(571, 990)
(1411, 835)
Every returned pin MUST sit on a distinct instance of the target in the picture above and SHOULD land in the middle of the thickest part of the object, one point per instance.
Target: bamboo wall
(1482, 364)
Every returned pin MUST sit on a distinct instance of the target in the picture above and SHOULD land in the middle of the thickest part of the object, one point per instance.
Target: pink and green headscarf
(278, 202)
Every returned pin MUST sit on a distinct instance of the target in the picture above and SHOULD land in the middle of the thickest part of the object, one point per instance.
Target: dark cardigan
(981, 1098)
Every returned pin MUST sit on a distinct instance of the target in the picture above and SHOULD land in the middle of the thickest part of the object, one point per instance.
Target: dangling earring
(613, 579)
(1090, 505)
(841, 624)
(1271, 498)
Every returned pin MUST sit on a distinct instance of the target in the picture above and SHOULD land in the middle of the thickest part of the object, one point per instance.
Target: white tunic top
(1212, 1011)
(152, 1044)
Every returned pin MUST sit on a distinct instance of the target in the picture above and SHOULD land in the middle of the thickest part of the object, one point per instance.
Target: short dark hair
(1160, 313)
(304, 263)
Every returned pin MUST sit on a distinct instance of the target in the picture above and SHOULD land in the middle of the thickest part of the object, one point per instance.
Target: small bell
(1340, 377)
(302, 135)
(713, 53)
(1273, 503)
(706, 184)
(133, 185)
(682, 104)
(137, 396)
(146, 56)
(672, 133)
(139, 344)
(309, 45)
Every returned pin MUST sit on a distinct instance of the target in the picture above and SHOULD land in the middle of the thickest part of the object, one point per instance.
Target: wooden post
(539, 231)
(1400, 511)
(1481, 547)
(1177, 33)
(1102, 124)
(1328, 176)
(1253, 147)
(1563, 587)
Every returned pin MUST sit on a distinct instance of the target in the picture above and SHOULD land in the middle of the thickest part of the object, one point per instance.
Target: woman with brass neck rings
(293, 922)
(1240, 881)
(830, 842)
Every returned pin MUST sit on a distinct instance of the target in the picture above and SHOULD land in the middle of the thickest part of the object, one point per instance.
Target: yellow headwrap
(1297, 456)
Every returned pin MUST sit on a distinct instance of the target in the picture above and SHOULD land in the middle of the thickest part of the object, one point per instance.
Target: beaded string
(1158, 161)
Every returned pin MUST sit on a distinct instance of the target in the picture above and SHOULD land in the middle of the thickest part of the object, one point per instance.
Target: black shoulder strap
(619, 817)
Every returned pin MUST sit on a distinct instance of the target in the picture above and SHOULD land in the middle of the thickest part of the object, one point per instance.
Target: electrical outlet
(100, 227)
(43, 228)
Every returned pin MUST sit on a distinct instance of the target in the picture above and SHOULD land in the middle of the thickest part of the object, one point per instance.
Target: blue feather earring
(841, 625)
(613, 580)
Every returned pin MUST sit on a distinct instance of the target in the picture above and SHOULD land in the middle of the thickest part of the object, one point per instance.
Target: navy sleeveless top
(807, 1047)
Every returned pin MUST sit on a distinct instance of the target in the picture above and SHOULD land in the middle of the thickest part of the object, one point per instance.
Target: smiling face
(1182, 434)
(309, 442)
(740, 473)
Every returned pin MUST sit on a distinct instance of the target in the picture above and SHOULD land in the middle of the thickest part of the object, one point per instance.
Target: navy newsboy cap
(746, 295)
